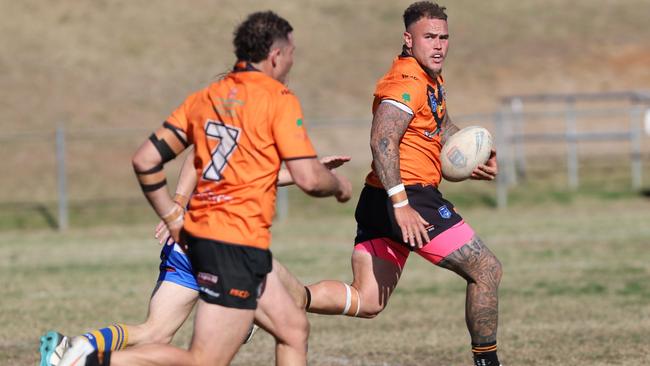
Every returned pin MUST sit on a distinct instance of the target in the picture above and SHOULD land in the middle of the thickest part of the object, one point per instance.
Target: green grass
(574, 290)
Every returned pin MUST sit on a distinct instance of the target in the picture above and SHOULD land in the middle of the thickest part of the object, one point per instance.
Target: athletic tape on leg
(348, 299)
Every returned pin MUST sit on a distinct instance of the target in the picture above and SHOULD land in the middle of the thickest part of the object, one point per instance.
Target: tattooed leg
(482, 270)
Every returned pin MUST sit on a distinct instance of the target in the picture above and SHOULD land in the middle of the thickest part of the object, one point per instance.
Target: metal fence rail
(510, 126)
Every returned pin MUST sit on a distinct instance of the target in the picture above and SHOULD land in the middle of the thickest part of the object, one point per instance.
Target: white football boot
(77, 352)
(53, 346)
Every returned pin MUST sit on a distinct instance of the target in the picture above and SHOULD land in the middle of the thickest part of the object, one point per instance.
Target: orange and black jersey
(242, 127)
(407, 84)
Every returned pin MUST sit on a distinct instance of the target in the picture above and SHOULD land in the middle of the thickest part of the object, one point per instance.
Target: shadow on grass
(42, 215)
(23, 215)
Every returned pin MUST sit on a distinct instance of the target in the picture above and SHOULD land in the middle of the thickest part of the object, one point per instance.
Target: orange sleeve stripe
(153, 178)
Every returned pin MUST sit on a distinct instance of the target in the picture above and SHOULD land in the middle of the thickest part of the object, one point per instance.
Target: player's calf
(482, 271)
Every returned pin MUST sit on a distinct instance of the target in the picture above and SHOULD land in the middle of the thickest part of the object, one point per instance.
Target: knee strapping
(352, 301)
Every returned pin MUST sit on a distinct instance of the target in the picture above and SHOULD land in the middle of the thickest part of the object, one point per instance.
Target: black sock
(485, 354)
(308, 294)
(97, 358)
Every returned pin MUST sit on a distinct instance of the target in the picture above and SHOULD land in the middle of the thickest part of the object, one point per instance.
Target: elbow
(308, 183)
(138, 163)
(142, 163)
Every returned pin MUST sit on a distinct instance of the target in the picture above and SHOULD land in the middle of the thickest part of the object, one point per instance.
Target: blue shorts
(175, 267)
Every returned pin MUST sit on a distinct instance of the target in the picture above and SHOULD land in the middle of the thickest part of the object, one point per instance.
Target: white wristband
(395, 190)
(401, 203)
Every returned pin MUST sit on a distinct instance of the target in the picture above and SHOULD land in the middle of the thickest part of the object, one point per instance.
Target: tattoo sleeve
(388, 126)
(448, 128)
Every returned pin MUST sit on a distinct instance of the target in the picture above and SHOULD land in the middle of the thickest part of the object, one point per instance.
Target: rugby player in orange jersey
(242, 128)
(400, 208)
(174, 294)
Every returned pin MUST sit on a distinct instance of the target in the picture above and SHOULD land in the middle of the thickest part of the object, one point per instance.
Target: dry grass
(574, 292)
(575, 289)
(129, 63)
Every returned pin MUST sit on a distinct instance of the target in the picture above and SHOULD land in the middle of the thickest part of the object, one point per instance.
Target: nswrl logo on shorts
(444, 212)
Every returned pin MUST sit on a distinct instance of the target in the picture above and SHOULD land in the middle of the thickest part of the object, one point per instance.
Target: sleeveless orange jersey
(242, 127)
(419, 150)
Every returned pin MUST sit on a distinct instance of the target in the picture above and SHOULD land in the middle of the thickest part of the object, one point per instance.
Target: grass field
(576, 285)
(575, 289)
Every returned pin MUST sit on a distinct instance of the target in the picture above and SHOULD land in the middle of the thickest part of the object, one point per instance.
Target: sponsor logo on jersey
(299, 122)
(444, 212)
(209, 292)
(406, 97)
(243, 294)
(406, 76)
(206, 278)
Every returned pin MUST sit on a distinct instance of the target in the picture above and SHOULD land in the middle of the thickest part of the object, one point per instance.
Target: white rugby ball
(464, 151)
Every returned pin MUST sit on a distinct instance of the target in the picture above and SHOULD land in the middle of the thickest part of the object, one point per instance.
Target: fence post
(572, 145)
(61, 178)
(635, 130)
(503, 154)
(517, 109)
(282, 204)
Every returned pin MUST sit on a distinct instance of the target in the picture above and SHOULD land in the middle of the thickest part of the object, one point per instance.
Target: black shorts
(229, 275)
(376, 217)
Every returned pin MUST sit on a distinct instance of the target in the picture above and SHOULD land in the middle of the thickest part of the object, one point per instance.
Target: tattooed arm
(388, 126)
(448, 128)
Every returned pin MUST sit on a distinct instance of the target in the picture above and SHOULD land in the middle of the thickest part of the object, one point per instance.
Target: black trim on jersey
(242, 66)
(166, 152)
(153, 187)
(175, 130)
(300, 157)
(434, 102)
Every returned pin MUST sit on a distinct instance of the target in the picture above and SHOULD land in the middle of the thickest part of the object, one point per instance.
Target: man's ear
(273, 56)
(408, 39)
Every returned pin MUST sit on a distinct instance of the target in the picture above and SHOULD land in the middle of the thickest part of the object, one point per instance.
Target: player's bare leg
(482, 271)
(291, 283)
(374, 282)
(169, 307)
(278, 314)
(218, 334)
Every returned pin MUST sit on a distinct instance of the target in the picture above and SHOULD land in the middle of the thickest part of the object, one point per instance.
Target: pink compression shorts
(434, 251)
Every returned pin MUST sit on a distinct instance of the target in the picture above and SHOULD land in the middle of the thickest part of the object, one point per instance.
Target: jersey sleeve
(289, 130)
(407, 92)
(180, 117)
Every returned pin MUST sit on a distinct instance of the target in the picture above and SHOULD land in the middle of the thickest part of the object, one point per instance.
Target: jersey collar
(242, 66)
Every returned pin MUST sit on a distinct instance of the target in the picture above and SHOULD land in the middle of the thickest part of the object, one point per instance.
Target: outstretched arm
(187, 182)
(388, 126)
(331, 162)
(316, 180)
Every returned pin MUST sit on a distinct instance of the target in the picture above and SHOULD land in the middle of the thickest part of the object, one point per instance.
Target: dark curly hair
(254, 37)
(421, 9)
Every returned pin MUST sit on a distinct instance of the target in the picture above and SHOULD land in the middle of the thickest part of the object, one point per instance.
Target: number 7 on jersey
(228, 137)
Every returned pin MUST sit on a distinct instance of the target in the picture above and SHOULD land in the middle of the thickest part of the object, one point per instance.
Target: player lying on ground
(173, 296)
